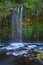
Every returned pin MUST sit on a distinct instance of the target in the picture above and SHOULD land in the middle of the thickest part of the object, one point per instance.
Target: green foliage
(31, 27)
(28, 31)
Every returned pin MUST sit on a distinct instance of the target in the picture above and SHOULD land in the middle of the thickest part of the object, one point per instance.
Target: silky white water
(16, 19)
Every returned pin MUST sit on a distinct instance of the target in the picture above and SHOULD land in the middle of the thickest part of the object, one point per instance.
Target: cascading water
(16, 19)
(21, 14)
(37, 14)
(37, 24)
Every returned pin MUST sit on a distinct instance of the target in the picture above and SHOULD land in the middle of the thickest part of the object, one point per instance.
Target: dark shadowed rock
(19, 1)
(17, 60)
(21, 60)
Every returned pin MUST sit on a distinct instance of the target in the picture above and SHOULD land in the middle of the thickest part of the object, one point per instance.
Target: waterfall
(37, 25)
(16, 19)
(21, 14)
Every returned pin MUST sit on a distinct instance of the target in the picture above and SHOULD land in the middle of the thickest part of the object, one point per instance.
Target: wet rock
(18, 60)
(35, 62)
(21, 60)
(2, 55)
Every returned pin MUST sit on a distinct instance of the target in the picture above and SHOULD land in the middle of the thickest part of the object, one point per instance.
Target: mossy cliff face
(5, 21)
(30, 24)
